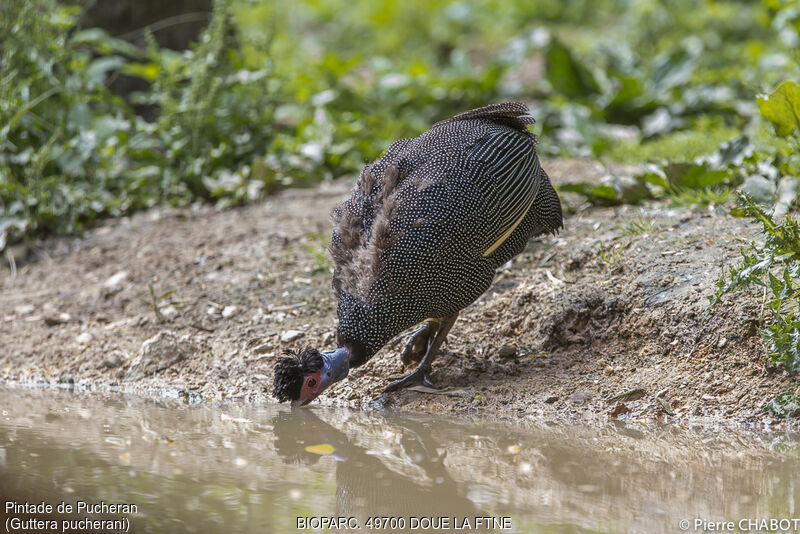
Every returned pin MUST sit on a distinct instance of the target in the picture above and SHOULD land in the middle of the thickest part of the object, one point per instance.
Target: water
(258, 469)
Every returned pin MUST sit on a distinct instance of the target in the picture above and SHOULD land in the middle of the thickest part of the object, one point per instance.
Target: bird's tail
(515, 114)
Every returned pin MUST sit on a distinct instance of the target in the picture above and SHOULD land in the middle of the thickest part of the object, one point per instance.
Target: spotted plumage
(430, 221)
(410, 241)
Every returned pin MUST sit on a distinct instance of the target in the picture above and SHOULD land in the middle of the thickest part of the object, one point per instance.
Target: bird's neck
(362, 328)
(358, 353)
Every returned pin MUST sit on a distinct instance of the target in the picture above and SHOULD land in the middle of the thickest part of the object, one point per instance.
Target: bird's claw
(417, 377)
(417, 341)
(417, 344)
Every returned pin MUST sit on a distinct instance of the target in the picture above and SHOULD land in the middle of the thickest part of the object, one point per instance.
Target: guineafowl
(419, 239)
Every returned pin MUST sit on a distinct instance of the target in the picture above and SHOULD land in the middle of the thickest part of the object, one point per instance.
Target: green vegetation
(155, 300)
(637, 226)
(317, 244)
(71, 151)
(783, 405)
(610, 257)
(278, 93)
(775, 264)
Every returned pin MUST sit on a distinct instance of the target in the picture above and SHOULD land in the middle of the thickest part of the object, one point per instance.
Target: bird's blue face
(336, 365)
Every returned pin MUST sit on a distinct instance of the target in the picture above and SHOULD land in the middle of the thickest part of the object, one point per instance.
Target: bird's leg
(419, 376)
(418, 340)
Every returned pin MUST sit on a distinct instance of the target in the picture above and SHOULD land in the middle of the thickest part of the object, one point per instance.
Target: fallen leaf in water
(322, 449)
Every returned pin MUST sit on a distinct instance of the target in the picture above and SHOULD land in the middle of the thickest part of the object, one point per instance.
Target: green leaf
(782, 108)
(776, 286)
(23, 110)
(734, 151)
(601, 194)
(674, 69)
(785, 404)
(146, 71)
(99, 68)
(695, 175)
(566, 74)
(104, 43)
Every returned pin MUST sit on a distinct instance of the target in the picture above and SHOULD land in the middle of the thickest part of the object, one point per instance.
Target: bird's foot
(417, 344)
(418, 377)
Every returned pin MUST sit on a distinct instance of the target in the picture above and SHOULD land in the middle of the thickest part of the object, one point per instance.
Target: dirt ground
(598, 323)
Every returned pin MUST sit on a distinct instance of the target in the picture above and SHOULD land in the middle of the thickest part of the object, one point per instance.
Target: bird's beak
(335, 367)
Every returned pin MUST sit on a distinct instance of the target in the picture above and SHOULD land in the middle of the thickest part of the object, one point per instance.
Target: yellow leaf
(322, 449)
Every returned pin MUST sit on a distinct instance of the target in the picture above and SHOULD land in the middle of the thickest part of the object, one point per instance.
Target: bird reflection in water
(365, 486)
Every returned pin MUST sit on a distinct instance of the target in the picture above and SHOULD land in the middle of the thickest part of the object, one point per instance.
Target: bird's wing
(509, 179)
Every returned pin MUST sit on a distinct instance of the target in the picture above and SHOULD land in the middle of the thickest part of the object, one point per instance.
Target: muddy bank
(604, 321)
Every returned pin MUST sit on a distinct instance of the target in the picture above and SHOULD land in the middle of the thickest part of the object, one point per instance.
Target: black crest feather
(290, 370)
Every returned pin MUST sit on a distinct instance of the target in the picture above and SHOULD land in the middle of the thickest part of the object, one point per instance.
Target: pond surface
(171, 467)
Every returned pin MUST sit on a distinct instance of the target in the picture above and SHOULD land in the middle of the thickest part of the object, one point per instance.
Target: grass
(609, 258)
(638, 226)
(155, 300)
(684, 145)
(707, 196)
(318, 247)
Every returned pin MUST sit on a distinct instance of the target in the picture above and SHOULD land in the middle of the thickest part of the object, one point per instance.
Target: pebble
(84, 338)
(292, 335)
(54, 320)
(665, 406)
(115, 279)
(619, 409)
(113, 359)
(160, 352)
(581, 397)
(228, 311)
(507, 351)
(24, 309)
(263, 348)
(381, 402)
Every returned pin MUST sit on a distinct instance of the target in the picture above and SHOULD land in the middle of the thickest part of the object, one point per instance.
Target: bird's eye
(312, 383)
